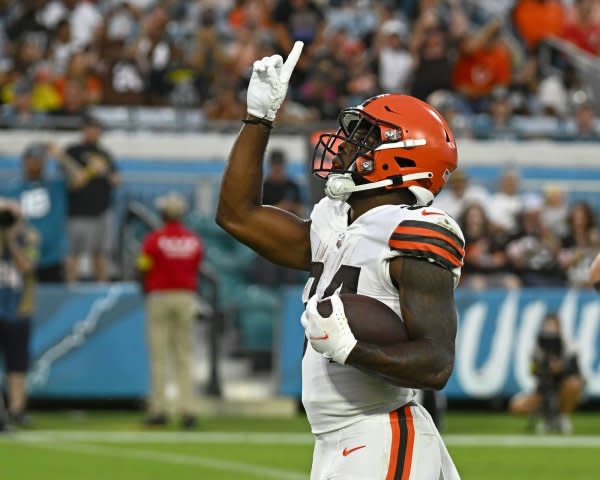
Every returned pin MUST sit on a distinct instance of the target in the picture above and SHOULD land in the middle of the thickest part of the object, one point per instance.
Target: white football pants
(401, 445)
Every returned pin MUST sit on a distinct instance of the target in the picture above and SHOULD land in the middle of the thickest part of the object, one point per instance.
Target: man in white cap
(168, 266)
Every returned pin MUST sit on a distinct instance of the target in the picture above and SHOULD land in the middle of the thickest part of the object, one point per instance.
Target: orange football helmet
(399, 142)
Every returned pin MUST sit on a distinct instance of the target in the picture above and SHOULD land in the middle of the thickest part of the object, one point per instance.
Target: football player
(375, 234)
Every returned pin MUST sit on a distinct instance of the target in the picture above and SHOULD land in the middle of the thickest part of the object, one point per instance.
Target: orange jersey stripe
(426, 232)
(435, 227)
(409, 443)
(393, 464)
(425, 247)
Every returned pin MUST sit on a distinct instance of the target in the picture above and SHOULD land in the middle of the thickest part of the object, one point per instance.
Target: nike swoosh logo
(425, 213)
(324, 337)
(348, 451)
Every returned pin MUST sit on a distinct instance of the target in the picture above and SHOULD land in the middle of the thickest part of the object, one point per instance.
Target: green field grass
(114, 446)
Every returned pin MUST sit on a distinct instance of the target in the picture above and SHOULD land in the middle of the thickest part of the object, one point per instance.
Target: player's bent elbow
(440, 377)
(439, 381)
(226, 221)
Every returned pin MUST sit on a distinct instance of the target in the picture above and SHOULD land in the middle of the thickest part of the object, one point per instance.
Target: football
(370, 320)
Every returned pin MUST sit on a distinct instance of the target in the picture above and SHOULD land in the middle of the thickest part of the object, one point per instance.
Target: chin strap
(340, 186)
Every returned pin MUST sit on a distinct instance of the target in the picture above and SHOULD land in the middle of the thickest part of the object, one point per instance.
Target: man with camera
(18, 254)
(559, 381)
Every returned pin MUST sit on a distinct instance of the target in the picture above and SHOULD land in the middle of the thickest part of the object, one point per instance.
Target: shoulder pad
(430, 233)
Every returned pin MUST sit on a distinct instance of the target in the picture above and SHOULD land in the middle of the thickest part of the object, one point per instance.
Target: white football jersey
(355, 259)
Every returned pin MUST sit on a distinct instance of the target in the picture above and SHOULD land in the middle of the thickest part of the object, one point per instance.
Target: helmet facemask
(348, 171)
(359, 134)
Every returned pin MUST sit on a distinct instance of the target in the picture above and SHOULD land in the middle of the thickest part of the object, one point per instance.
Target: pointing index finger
(291, 61)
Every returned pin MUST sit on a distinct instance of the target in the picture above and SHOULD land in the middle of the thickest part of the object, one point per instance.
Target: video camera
(7, 218)
(550, 343)
(550, 346)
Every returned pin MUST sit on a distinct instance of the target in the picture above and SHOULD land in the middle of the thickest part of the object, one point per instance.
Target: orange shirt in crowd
(477, 74)
(249, 13)
(93, 87)
(537, 20)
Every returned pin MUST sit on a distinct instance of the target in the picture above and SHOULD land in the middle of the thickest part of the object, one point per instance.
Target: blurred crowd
(58, 57)
(516, 239)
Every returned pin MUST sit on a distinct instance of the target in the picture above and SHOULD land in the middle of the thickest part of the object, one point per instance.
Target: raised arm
(76, 175)
(275, 234)
(427, 299)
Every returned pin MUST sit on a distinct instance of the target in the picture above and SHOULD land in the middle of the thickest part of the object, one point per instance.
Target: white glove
(269, 82)
(331, 335)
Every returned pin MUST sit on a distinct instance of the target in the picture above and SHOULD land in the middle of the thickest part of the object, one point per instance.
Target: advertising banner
(89, 342)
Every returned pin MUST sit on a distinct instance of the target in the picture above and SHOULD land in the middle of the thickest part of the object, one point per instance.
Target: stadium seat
(257, 319)
(116, 117)
(154, 118)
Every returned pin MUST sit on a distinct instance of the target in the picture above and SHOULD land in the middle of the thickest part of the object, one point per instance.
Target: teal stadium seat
(259, 309)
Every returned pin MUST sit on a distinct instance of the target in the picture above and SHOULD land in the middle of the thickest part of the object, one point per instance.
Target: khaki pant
(170, 326)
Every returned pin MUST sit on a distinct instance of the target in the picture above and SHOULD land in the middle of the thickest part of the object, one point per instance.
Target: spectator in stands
(535, 20)
(45, 95)
(507, 203)
(586, 127)
(460, 193)
(89, 204)
(432, 44)
(122, 81)
(79, 77)
(483, 64)
(18, 111)
(583, 30)
(18, 254)
(485, 264)
(362, 81)
(583, 127)
(209, 58)
(24, 24)
(168, 264)
(559, 383)
(319, 93)
(554, 213)
(297, 20)
(118, 29)
(500, 123)
(557, 90)
(395, 61)
(225, 105)
(533, 252)
(43, 202)
(581, 244)
(155, 54)
(62, 47)
(249, 13)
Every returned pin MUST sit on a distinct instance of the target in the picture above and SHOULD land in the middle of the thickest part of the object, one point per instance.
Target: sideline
(288, 438)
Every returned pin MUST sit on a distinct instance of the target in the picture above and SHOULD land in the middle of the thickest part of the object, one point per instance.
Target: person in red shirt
(168, 266)
(484, 63)
(584, 30)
